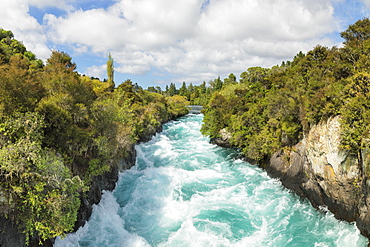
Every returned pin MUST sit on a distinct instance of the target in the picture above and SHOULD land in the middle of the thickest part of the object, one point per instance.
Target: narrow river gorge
(184, 191)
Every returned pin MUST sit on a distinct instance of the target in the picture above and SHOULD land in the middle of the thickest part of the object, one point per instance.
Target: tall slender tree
(110, 72)
(183, 89)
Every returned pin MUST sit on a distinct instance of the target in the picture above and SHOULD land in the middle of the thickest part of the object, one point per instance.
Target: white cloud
(367, 3)
(161, 21)
(133, 62)
(182, 37)
(96, 71)
(14, 16)
(189, 37)
(269, 19)
(95, 28)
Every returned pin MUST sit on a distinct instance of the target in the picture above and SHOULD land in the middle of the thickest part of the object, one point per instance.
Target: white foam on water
(140, 155)
(105, 228)
(188, 235)
(187, 192)
(166, 149)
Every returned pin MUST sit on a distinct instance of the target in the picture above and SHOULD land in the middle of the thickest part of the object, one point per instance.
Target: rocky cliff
(108, 180)
(316, 168)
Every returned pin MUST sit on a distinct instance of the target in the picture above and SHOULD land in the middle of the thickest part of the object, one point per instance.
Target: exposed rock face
(10, 235)
(222, 141)
(106, 181)
(318, 169)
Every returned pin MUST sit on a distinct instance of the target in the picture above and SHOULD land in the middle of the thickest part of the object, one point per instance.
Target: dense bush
(273, 108)
(58, 130)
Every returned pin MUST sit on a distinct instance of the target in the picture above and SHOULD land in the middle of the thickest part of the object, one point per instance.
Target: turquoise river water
(184, 191)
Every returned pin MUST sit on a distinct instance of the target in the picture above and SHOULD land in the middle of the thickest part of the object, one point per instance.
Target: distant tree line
(198, 94)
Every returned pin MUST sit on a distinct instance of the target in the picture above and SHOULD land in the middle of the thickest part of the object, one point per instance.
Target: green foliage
(198, 94)
(110, 72)
(357, 34)
(273, 108)
(172, 90)
(177, 106)
(356, 112)
(217, 84)
(254, 74)
(6, 34)
(20, 90)
(230, 79)
(41, 192)
(99, 88)
(60, 62)
(59, 130)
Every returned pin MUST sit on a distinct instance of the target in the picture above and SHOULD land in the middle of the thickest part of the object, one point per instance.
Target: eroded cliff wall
(318, 169)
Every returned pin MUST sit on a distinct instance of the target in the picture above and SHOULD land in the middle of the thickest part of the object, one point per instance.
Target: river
(184, 191)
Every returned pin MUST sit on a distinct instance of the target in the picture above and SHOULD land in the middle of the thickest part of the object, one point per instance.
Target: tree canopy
(272, 108)
(59, 130)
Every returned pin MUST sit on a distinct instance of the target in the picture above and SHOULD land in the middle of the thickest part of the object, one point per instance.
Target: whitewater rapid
(184, 191)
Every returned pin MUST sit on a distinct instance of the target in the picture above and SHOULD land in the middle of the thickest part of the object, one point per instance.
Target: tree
(297, 58)
(41, 191)
(230, 79)
(356, 34)
(60, 61)
(254, 74)
(216, 84)
(172, 90)
(127, 86)
(6, 34)
(11, 47)
(151, 89)
(203, 88)
(110, 72)
(183, 91)
(190, 88)
(167, 90)
(357, 45)
(159, 89)
(355, 113)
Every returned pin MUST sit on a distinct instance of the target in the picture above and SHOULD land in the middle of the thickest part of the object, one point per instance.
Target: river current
(184, 191)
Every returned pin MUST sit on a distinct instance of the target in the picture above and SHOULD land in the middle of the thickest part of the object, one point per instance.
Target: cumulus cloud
(189, 37)
(96, 71)
(367, 3)
(95, 28)
(269, 19)
(184, 37)
(14, 16)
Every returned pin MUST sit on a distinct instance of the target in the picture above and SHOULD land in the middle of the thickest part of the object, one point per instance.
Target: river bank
(12, 236)
(318, 169)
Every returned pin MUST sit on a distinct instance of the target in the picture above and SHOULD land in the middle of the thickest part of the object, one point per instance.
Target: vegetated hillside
(59, 130)
(274, 108)
(307, 123)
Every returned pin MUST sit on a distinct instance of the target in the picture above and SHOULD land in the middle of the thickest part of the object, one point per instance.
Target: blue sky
(156, 42)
